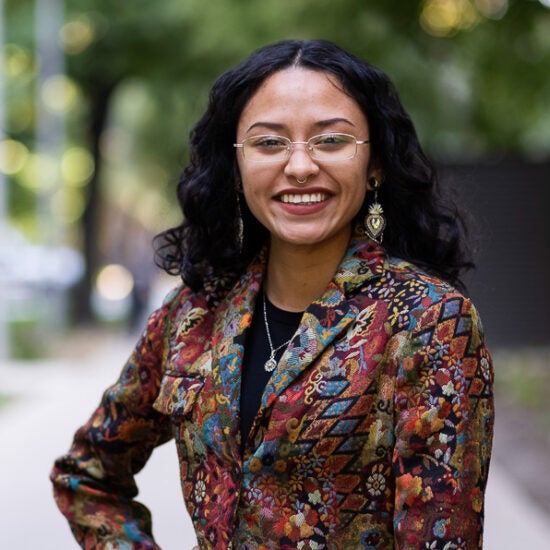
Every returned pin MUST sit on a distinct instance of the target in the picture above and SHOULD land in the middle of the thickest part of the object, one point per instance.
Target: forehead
(300, 96)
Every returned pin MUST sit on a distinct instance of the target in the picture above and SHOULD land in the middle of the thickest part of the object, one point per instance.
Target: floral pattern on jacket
(373, 432)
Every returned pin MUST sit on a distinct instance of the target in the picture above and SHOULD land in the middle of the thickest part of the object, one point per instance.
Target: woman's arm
(94, 483)
(444, 419)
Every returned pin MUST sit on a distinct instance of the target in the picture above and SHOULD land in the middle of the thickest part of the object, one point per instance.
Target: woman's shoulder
(387, 276)
(182, 301)
(413, 294)
(182, 315)
(405, 276)
(176, 295)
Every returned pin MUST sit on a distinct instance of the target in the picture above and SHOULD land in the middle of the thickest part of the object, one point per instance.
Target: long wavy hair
(421, 225)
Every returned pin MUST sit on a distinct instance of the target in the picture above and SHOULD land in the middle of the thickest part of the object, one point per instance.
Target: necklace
(271, 364)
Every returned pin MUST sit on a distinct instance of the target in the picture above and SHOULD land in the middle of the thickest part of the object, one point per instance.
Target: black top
(282, 325)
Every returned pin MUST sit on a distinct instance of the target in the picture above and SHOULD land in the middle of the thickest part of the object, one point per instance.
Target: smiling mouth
(306, 198)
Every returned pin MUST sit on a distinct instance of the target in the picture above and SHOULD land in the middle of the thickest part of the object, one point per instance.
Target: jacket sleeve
(94, 483)
(444, 419)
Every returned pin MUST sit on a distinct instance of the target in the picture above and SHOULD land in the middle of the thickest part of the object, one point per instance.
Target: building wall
(510, 204)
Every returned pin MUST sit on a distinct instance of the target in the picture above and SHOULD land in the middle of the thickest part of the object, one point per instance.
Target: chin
(305, 239)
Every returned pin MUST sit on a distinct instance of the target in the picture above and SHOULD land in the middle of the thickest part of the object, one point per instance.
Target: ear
(373, 176)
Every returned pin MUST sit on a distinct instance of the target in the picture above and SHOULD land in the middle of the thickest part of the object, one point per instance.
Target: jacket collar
(322, 322)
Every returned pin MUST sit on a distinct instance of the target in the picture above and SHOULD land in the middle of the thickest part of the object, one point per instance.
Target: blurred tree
(473, 74)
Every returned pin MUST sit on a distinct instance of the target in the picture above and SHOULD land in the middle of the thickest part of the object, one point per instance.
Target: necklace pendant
(270, 365)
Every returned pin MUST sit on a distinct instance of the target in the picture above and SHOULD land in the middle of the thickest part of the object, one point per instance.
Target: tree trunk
(100, 96)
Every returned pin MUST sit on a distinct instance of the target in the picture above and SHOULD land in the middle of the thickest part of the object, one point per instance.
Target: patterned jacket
(374, 431)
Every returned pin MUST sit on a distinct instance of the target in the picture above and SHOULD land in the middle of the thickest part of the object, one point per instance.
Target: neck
(297, 275)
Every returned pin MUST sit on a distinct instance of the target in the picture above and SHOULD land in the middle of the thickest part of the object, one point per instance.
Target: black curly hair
(422, 226)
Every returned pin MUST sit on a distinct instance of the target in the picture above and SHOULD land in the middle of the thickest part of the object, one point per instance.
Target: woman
(324, 390)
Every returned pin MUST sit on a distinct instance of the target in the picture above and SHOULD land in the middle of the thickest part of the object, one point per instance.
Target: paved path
(55, 397)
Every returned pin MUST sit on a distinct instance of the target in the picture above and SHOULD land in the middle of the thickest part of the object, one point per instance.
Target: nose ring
(301, 180)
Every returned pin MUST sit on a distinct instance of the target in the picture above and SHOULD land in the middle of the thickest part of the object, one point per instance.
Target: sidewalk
(55, 397)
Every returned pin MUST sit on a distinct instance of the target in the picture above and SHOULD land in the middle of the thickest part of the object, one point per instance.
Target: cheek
(356, 204)
(240, 164)
(252, 197)
(247, 172)
(256, 183)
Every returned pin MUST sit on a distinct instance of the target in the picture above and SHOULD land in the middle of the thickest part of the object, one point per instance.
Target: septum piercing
(303, 180)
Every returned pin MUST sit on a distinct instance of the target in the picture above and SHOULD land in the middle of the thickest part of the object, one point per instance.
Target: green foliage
(473, 79)
(478, 92)
(477, 88)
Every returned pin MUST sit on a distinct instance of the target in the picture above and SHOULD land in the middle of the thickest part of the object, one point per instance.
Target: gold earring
(375, 221)
(239, 225)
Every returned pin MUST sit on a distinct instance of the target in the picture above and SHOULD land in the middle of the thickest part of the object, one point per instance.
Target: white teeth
(306, 198)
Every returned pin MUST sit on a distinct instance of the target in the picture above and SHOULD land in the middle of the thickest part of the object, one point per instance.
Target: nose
(300, 165)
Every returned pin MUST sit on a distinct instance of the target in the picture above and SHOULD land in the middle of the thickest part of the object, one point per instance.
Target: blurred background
(96, 103)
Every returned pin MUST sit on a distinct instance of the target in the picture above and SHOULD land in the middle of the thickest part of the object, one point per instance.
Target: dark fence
(510, 204)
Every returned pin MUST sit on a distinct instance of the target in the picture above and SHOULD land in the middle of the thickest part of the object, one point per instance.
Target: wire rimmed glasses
(329, 147)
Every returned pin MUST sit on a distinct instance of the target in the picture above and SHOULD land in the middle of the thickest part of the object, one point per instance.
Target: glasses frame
(290, 147)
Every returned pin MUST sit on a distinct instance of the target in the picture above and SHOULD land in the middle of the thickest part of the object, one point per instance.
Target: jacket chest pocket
(179, 398)
(178, 394)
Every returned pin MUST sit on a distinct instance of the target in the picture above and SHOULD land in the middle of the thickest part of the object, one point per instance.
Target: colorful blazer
(373, 432)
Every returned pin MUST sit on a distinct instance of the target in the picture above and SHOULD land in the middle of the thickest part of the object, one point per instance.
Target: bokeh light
(493, 9)
(77, 166)
(67, 205)
(13, 156)
(17, 60)
(76, 36)
(59, 93)
(114, 282)
(40, 172)
(443, 18)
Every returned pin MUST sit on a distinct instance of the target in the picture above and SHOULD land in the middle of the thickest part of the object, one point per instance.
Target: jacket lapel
(326, 318)
(232, 319)
(322, 323)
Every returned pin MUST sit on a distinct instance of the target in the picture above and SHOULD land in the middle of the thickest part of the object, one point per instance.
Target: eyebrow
(320, 124)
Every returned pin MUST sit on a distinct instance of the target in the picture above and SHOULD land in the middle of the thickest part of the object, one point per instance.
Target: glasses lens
(266, 148)
(325, 147)
(332, 147)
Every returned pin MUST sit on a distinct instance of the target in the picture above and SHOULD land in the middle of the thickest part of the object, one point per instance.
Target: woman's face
(298, 104)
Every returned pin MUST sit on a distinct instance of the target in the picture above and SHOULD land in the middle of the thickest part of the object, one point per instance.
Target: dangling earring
(239, 225)
(375, 221)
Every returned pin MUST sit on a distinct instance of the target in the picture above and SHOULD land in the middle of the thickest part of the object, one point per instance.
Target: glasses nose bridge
(308, 147)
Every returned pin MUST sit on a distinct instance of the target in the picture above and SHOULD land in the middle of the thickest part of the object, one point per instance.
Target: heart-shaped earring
(375, 221)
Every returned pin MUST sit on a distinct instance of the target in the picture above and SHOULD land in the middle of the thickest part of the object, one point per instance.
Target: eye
(268, 142)
(330, 141)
